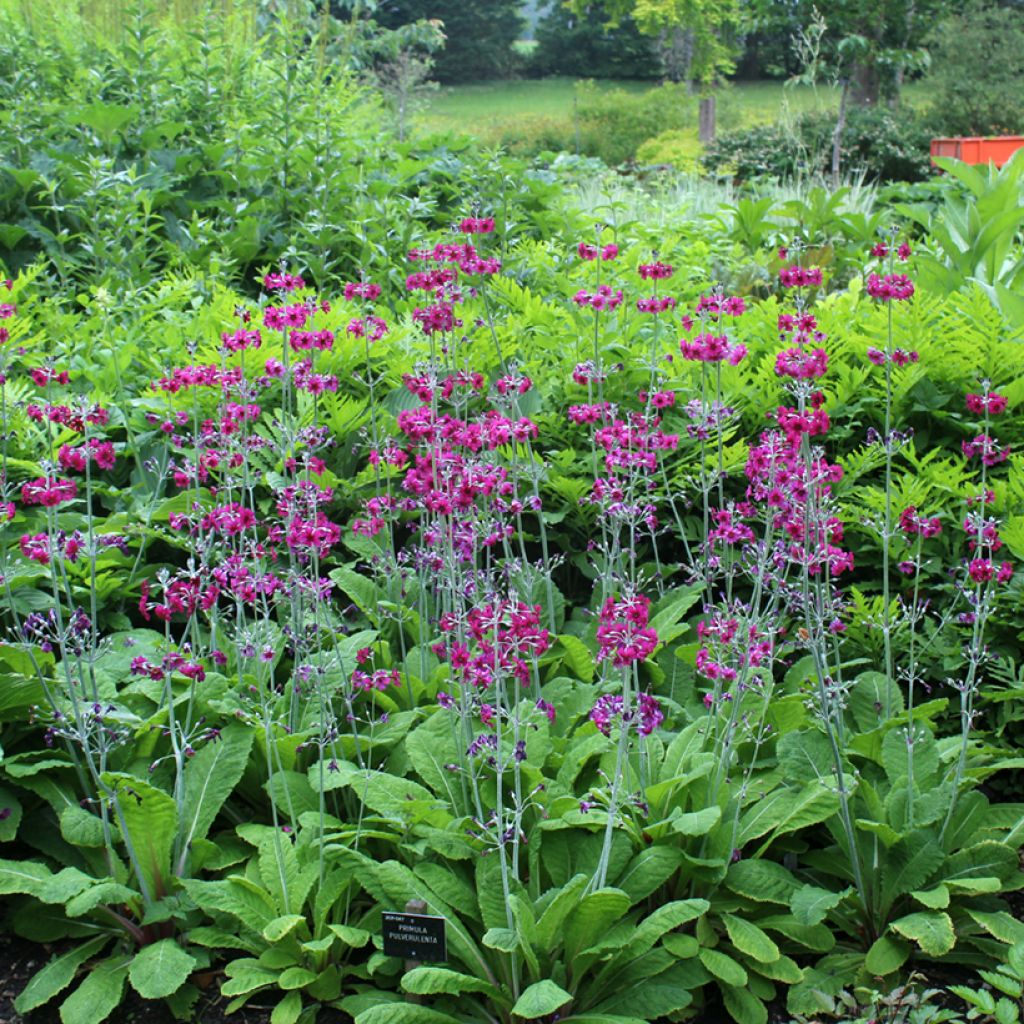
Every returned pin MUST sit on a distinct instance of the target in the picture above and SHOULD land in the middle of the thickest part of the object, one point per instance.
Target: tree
(479, 34)
(575, 44)
(978, 69)
(696, 38)
(877, 42)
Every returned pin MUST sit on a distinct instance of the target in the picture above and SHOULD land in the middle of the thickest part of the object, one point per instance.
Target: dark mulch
(19, 960)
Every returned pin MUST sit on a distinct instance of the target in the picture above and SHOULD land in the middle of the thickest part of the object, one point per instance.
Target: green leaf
(743, 1006)
(937, 898)
(80, 828)
(577, 657)
(595, 914)
(246, 975)
(540, 999)
(1000, 925)
(932, 930)
(288, 1010)
(149, 816)
(697, 823)
(810, 904)
(433, 981)
(98, 995)
(787, 810)
(105, 893)
(886, 955)
(160, 969)
(762, 880)
(22, 877)
(406, 1014)
(57, 975)
(10, 804)
(647, 870)
(295, 977)
(723, 966)
(664, 919)
(910, 864)
(280, 927)
(749, 939)
(210, 777)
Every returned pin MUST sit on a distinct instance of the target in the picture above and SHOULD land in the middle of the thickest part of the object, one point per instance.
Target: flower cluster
(602, 298)
(592, 252)
(890, 287)
(623, 634)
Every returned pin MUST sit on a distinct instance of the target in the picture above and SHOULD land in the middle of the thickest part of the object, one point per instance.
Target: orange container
(996, 149)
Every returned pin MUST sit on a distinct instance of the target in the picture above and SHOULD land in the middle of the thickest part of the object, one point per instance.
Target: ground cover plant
(638, 593)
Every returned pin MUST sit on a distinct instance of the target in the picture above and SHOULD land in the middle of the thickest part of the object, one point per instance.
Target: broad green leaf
(282, 926)
(811, 904)
(57, 974)
(762, 880)
(743, 1006)
(749, 939)
(22, 876)
(787, 810)
(98, 995)
(1000, 925)
(295, 977)
(577, 657)
(909, 866)
(723, 966)
(594, 915)
(655, 999)
(406, 1013)
(160, 969)
(813, 936)
(806, 756)
(209, 779)
(246, 975)
(649, 869)
(80, 828)
(664, 919)
(288, 1010)
(697, 823)
(932, 930)
(10, 807)
(886, 955)
(552, 920)
(784, 969)
(872, 698)
(432, 981)
(149, 819)
(105, 893)
(937, 898)
(540, 999)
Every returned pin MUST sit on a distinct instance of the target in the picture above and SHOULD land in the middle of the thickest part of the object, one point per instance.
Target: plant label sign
(414, 937)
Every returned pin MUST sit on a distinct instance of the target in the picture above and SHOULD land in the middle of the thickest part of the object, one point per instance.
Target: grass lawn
(483, 108)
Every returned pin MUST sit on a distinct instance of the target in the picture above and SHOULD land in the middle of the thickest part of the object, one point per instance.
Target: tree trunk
(867, 85)
(837, 135)
(706, 129)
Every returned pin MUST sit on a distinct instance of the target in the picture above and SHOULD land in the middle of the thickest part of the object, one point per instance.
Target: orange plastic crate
(996, 149)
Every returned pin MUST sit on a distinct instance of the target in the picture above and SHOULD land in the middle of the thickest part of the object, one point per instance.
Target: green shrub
(884, 145)
(610, 124)
(613, 123)
(977, 70)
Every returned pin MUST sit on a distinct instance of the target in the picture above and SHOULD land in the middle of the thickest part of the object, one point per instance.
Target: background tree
(479, 34)
(696, 38)
(583, 44)
(977, 71)
(878, 41)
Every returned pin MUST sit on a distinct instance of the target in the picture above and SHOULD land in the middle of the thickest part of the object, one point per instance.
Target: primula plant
(652, 629)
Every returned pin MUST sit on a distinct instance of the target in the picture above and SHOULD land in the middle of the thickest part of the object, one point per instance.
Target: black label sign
(414, 937)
